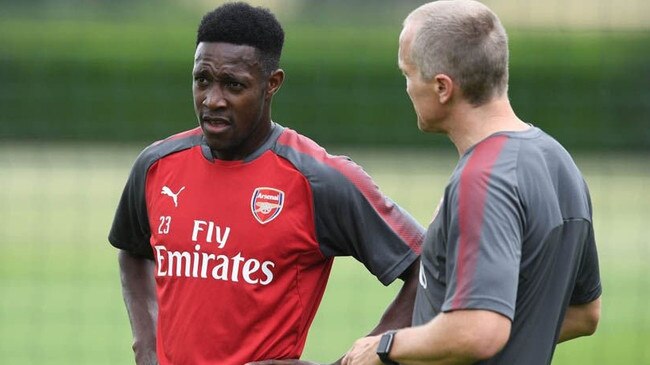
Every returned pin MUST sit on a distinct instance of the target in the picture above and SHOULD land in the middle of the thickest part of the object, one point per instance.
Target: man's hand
(363, 352)
(282, 362)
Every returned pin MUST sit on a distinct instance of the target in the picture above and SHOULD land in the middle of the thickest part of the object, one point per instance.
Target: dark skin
(232, 101)
(232, 98)
(139, 292)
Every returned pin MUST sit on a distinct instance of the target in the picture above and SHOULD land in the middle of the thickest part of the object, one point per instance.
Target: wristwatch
(383, 349)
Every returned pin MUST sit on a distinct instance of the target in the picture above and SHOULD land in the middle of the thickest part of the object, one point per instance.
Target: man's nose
(214, 99)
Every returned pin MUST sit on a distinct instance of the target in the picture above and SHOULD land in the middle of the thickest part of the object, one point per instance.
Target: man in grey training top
(509, 264)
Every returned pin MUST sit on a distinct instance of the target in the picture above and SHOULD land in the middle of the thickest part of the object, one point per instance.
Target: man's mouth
(215, 124)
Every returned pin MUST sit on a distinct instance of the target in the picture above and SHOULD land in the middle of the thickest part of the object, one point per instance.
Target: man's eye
(200, 80)
(234, 85)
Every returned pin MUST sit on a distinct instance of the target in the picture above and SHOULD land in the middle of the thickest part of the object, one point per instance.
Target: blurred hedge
(74, 80)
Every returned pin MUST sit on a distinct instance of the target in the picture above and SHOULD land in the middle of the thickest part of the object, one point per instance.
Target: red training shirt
(243, 249)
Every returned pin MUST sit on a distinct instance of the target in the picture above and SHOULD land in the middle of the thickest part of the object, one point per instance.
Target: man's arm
(458, 337)
(580, 320)
(400, 312)
(139, 291)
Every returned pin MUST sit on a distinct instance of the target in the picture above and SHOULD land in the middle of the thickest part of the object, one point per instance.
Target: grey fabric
(130, 230)
(535, 252)
(348, 223)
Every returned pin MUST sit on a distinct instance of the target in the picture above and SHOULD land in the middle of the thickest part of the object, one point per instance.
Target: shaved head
(462, 39)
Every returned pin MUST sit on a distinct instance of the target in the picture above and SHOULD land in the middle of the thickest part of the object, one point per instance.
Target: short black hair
(240, 23)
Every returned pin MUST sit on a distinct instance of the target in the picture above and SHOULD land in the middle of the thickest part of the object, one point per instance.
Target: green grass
(60, 300)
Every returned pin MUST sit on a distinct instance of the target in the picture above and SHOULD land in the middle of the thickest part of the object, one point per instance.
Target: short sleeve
(485, 225)
(588, 286)
(130, 229)
(353, 218)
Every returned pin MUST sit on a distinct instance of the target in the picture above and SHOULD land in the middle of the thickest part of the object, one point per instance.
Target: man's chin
(429, 127)
(422, 126)
(217, 144)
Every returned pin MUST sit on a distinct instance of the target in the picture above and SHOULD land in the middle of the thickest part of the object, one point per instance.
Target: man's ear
(444, 88)
(275, 81)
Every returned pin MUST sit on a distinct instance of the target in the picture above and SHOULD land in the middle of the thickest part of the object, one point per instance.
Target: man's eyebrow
(206, 69)
(230, 74)
(200, 67)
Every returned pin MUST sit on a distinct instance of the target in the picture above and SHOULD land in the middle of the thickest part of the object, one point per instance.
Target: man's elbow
(490, 345)
(592, 317)
(488, 339)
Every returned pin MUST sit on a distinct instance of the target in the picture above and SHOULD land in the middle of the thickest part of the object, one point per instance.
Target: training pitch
(61, 303)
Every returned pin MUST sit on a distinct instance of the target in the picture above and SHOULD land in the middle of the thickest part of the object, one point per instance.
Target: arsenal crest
(266, 204)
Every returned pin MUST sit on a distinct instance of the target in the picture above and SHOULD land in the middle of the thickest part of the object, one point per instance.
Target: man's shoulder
(165, 147)
(175, 142)
(310, 157)
(488, 158)
(506, 152)
(291, 139)
(545, 155)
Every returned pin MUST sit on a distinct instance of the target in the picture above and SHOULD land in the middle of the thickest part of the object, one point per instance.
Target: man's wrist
(384, 347)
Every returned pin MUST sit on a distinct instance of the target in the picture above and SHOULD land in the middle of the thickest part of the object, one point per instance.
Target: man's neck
(469, 125)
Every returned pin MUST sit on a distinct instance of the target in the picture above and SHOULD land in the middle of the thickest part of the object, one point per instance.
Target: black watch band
(383, 349)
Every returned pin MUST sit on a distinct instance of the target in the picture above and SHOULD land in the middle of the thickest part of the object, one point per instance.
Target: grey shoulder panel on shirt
(130, 229)
(352, 217)
(548, 170)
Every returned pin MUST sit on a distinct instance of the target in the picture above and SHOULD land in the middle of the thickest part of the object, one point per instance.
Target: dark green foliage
(131, 82)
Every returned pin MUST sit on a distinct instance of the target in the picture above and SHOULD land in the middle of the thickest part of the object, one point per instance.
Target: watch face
(384, 342)
(384, 347)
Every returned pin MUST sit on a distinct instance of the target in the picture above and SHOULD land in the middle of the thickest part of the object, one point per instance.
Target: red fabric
(224, 279)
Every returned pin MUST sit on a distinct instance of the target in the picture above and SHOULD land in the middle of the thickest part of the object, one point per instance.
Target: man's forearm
(138, 289)
(459, 337)
(400, 311)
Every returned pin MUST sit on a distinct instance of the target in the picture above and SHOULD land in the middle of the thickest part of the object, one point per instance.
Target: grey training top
(514, 235)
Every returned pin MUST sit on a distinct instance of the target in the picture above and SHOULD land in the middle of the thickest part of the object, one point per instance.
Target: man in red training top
(227, 232)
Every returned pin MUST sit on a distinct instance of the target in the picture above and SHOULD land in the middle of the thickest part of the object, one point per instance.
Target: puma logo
(167, 191)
